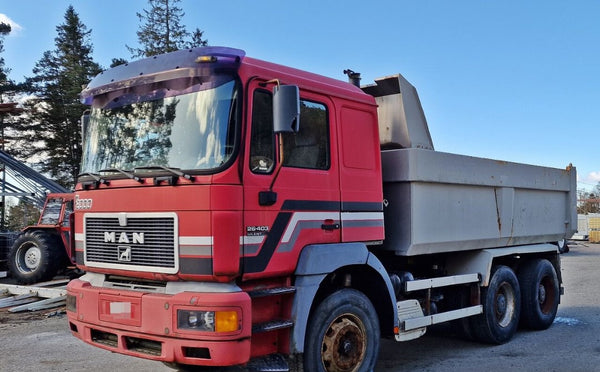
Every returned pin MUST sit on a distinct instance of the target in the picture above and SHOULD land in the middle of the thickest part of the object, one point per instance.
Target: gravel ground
(38, 342)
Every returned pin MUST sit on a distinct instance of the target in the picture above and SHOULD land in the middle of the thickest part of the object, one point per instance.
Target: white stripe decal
(362, 216)
(196, 240)
(252, 239)
(79, 237)
(307, 216)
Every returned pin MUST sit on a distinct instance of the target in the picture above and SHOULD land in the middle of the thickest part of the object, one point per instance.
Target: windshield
(190, 131)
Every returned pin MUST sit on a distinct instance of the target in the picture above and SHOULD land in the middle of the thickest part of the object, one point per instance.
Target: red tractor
(44, 249)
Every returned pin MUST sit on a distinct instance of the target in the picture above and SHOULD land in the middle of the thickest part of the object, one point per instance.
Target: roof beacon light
(206, 59)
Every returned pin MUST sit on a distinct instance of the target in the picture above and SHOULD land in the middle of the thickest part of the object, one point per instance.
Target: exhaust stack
(353, 77)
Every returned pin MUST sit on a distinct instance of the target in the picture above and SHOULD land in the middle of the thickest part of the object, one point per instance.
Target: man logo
(123, 238)
(124, 253)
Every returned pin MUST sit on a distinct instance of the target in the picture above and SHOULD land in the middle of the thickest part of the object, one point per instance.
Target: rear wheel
(343, 334)
(562, 246)
(540, 294)
(35, 256)
(501, 302)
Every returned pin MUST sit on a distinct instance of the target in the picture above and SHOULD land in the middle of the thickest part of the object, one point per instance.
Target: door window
(309, 148)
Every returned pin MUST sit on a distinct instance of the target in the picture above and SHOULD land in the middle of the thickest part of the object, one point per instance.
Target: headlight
(208, 321)
(71, 303)
(196, 320)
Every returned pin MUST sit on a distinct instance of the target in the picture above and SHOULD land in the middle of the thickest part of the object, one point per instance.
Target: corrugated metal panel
(593, 223)
(594, 237)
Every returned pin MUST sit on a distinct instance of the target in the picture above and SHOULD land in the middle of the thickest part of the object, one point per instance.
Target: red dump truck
(233, 211)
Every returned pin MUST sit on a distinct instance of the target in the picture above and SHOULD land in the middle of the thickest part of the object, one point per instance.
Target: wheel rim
(344, 344)
(504, 304)
(28, 258)
(546, 294)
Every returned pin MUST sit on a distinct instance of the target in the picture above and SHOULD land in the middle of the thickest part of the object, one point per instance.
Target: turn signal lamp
(71, 303)
(226, 321)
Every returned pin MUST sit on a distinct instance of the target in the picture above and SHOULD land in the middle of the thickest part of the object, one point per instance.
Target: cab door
(293, 200)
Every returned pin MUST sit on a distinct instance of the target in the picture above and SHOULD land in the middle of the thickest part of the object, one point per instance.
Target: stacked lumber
(46, 295)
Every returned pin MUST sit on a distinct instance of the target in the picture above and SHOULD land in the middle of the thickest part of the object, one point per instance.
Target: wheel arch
(324, 269)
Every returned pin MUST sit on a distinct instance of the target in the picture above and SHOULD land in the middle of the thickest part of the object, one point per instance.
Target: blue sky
(510, 80)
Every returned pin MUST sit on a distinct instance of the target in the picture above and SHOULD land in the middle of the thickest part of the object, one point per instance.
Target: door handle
(329, 225)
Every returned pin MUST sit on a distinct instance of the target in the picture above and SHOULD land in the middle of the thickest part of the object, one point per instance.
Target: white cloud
(15, 27)
(589, 181)
(593, 177)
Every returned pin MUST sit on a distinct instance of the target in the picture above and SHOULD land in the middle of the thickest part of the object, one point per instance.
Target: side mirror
(85, 121)
(286, 108)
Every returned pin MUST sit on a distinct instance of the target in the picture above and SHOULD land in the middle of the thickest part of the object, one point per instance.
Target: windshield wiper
(96, 177)
(175, 171)
(129, 175)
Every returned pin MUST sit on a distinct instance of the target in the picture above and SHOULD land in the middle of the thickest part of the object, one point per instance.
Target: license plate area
(120, 309)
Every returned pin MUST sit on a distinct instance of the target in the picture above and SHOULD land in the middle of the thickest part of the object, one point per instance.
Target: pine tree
(54, 131)
(161, 30)
(4, 30)
(197, 39)
(9, 93)
(20, 215)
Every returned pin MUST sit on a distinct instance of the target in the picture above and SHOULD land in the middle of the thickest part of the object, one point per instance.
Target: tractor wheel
(343, 334)
(35, 257)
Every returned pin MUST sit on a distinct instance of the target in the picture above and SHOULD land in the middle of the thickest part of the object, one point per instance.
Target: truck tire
(501, 302)
(342, 334)
(35, 256)
(462, 326)
(562, 245)
(540, 294)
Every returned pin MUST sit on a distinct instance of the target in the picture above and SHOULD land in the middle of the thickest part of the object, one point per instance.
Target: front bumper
(144, 324)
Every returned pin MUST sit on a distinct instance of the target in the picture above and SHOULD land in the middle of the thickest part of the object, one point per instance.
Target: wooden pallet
(41, 296)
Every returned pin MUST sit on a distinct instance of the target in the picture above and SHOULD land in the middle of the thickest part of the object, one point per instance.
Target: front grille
(131, 241)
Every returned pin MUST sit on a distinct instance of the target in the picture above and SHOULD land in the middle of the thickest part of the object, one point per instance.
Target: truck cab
(187, 193)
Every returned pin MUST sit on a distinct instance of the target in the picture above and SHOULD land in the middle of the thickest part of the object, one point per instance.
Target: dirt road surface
(36, 343)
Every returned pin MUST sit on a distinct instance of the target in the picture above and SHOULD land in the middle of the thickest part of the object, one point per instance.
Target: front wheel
(343, 334)
(501, 302)
(540, 294)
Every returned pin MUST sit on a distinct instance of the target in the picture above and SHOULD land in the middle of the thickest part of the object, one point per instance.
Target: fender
(314, 264)
(480, 261)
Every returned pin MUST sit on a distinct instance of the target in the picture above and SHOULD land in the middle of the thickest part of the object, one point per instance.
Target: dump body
(439, 202)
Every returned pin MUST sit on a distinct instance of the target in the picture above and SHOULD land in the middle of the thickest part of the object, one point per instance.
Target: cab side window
(262, 146)
(309, 148)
